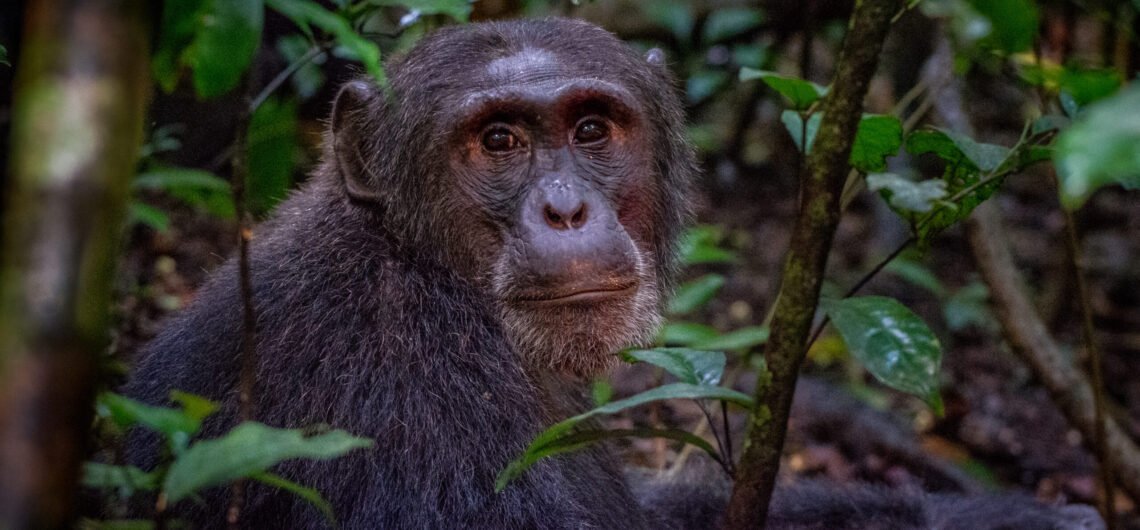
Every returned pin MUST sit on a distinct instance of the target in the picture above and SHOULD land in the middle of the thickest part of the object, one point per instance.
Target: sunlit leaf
(688, 366)
(893, 343)
(907, 195)
(249, 449)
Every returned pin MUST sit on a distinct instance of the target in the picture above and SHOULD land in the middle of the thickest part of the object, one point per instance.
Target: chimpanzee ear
(349, 109)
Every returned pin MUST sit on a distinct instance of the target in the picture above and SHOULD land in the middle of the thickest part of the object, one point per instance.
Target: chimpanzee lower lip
(581, 296)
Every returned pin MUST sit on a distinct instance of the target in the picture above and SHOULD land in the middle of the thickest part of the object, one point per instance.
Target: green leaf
(602, 392)
(1049, 122)
(893, 343)
(303, 12)
(272, 152)
(905, 195)
(126, 479)
(724, 24)
(459, 10)
(126, 412)
(555, 435)
(195, 187)
(738, 340)
(685, 333)
(196, 407)
(578, 440)
(1100, 148)
(4, 56)
(181, 21)
(674, 15)
(794, 123)
(695, 294)
(249, 449)
(955, 148)
(124, 524)
(310, 495)
(225, 41)
(700, 245)
(799, 93)
(688, 366)
(1088, 86)
(145, 214)
(877, 137)
(309, 78)
(1014, 23)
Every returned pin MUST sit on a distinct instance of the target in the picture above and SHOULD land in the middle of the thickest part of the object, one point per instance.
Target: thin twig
(310, 55)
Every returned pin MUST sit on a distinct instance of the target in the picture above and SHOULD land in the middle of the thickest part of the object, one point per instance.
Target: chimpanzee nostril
(559, 219)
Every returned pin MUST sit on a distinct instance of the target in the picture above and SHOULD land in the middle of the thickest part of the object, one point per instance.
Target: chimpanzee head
(545, 162)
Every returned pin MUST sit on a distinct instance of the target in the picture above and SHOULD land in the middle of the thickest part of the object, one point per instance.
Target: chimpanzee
(479, 239)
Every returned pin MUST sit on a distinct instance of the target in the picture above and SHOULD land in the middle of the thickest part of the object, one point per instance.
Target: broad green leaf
(794, 123)
(736, 340)
(552, 436)
(1049, 122)
(126, 412)
(224, 43)
(1101, 148)
(181, 20)
(749, 54)
(1014, 23)
(893, 343)
(459, 10)
(272, 152)
(4, 56)
(1090, 86)
(304, 12)
(905, 195)
(195, 187)
(125, 479)
(703, 84)
(694, 294)
(310, 495)
(580, 439)
(877, 137)
(688, 366)
(249, 449)
(955, 148)
(685, 333)
(799, 93)
(726, 23)
(142, 213)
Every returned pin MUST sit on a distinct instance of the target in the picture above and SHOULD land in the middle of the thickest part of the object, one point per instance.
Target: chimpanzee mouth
(580, 295)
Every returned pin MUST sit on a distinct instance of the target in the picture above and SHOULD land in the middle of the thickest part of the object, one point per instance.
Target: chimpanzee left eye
(590, 131)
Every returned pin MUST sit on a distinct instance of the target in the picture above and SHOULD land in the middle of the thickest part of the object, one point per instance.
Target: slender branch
(1030, 339)
(310, 55)
(827, 168)
(247, 377)
(1088, 334)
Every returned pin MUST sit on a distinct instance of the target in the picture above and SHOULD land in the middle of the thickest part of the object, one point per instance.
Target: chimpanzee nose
(565, 217)
(564, 207)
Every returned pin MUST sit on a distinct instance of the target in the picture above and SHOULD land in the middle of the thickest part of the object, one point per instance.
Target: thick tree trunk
(806, 262)
(81, 92)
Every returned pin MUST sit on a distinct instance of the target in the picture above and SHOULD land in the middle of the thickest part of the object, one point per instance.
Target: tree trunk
(81, 91)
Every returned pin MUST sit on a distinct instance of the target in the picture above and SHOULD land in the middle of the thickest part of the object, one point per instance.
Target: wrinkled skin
(472, 246)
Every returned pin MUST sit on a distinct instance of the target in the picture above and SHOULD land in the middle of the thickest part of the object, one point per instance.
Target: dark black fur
(376, 314)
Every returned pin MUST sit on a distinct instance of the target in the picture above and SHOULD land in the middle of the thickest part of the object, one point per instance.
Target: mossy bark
(826, 172)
